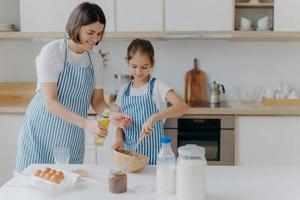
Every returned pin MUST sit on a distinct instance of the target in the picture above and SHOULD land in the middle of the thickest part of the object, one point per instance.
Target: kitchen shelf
(256, 5)
(242, 35)
(198, 35)
(57, 35)
(265, 35)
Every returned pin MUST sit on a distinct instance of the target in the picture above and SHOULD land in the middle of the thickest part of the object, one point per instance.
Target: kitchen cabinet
(52, 15)
(139, 15)
(254, 12)
(171, 130)
(10, 126)
(90, 154)
(286, 15)
(104, 153)
(199, 15)
(268, 140)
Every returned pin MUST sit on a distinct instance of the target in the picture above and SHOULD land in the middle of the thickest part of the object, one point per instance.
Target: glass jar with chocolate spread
(117, 181)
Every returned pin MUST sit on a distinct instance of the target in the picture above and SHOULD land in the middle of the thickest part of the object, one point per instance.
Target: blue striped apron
(42, 131)
(140, 108)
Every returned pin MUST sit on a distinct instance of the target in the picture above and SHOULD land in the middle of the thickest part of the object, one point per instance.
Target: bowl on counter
(134, 162)
(248, 94)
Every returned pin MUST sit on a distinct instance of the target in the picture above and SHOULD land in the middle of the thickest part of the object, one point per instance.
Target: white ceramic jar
(191, 173)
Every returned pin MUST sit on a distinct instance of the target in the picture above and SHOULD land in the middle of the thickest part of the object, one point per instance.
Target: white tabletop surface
(223, 183)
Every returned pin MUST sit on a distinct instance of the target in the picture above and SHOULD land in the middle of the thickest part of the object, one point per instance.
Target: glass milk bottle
(166, 167)
(191, 170)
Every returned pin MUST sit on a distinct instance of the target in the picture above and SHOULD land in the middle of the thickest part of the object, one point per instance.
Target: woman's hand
(94, 127)
(120, 120)
(148, 126)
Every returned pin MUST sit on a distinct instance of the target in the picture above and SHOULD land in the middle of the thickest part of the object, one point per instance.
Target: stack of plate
(7, 27)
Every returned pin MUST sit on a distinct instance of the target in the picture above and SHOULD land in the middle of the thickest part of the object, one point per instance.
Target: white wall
(229, 62)
(232, 63)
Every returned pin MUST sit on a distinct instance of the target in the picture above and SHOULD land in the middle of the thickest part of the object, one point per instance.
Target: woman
(69, 81)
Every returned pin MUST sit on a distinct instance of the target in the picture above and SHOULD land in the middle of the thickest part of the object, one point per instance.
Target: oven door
(226, 148)
(209, 140)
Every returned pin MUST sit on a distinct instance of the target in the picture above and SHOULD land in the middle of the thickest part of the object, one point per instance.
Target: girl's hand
(120, 120)
(118, 145)
(92, 126)
(148, 126)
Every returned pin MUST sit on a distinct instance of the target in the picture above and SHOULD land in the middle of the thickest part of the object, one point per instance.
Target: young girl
(145, 100)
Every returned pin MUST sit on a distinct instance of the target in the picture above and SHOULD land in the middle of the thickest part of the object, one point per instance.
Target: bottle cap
(165, 140)
(106, 113)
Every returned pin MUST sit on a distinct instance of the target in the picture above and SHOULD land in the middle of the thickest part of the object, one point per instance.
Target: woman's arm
(178, 107)
(49, 92)
(98, 103)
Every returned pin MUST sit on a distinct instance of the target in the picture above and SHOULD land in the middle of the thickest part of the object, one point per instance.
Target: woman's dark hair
(141, 46)
(84, 14)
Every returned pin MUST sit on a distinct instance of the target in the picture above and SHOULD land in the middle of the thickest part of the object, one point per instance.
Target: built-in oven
(213, 132)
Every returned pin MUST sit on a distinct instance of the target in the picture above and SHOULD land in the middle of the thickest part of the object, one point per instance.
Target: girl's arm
(178, 108)
(119, 139)
(49, 92)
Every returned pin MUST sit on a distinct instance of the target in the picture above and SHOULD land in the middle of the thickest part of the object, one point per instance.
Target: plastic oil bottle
(166, 168)
(103, 121)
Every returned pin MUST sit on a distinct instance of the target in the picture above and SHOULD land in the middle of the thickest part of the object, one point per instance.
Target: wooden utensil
(195, 85)
(86, 174)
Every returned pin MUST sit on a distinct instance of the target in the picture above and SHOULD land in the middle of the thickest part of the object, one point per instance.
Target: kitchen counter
(247, 108)
(223, 183)
(236, 108)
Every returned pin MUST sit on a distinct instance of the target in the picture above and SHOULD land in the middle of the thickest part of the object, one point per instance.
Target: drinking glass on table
(61, 156)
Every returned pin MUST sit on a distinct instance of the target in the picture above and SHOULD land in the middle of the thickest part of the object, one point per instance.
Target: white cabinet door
(10, 127)
(268, 140)
(90, 154)
(286, 15)
(52, 15)
(104, 153)
(199, 15)
(173, 134)
(139, 15)
(89, 137)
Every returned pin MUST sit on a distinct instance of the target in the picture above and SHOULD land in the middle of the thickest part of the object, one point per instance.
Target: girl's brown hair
(84, 14)
(141, 46)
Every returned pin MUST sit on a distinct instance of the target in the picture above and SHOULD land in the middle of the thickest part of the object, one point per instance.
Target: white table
(223, 183)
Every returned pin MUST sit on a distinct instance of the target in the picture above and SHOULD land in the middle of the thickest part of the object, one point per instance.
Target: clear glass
(61, 156)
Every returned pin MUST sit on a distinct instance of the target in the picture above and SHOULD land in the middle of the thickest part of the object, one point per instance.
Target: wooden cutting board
(195, 85)
(281, 102)
(11, 92)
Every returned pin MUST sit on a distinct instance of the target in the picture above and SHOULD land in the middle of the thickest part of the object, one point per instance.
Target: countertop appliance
(213, 132)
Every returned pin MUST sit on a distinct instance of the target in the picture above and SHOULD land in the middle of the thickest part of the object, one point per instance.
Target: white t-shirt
(50, 63)
(160, 91)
